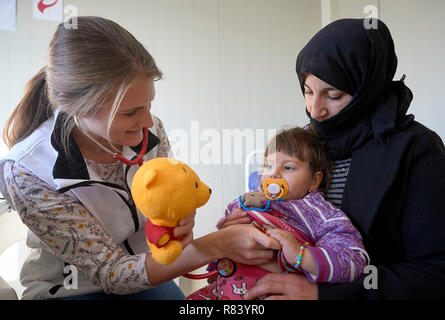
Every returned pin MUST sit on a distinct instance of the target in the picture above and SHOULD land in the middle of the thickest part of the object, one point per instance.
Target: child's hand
(238, 216)
(289, 244)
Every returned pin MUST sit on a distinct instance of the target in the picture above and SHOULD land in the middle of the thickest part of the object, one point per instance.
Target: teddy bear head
(166, 190)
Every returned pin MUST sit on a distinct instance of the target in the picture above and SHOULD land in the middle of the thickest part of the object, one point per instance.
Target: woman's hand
(238, 216)
(278, 286)
(246, 244)
(184, 230)
(241, 243)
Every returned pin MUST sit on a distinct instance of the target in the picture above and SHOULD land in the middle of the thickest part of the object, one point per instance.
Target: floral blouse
(69, 231)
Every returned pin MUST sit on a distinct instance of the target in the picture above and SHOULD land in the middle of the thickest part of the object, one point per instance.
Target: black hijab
(362, 62)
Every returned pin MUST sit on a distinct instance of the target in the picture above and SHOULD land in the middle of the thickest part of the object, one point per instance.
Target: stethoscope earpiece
(138, 160)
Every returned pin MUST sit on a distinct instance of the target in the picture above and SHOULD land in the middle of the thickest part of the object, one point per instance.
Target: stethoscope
(138, 160)
(225, 267)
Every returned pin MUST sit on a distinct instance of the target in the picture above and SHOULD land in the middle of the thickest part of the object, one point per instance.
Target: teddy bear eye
(184, 169)
(196, 185)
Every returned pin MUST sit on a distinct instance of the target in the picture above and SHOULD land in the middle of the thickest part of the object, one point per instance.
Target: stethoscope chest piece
(225, 267)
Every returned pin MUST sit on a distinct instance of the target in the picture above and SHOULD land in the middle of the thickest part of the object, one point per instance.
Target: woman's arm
(278, 286)
(70, 232)
(336, 246)
(241, 243)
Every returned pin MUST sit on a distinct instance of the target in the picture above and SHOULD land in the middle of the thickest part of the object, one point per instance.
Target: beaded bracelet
(300, 256)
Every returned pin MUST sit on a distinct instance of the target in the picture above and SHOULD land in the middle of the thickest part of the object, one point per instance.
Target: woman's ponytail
(32, 110)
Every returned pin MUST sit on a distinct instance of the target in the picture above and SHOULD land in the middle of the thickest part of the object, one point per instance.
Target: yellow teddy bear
(166, 190)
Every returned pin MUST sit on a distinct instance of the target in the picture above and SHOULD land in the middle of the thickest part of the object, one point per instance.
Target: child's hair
(307, 147)
(85, 67)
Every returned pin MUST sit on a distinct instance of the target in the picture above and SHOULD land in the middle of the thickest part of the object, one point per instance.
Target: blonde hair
(85, 68)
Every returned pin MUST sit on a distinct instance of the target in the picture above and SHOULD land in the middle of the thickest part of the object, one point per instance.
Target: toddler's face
(297, 174)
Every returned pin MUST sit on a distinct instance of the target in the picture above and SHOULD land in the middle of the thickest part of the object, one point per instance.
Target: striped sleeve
(339, 178)
(338, 249)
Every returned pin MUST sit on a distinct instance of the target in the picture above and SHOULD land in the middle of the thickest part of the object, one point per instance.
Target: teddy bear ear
(149, 177)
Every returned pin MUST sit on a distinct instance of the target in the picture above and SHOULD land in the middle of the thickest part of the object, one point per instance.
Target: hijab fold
(361, 62)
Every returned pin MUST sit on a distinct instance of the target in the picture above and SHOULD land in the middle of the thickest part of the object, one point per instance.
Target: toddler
(317, 239)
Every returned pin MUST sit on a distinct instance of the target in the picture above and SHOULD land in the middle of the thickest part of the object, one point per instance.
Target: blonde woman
(91, 101)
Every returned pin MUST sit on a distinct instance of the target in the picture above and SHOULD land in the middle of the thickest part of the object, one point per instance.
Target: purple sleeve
(338, 249)
(232, 206)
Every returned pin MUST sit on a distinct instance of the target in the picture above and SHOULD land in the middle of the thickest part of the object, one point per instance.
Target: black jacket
(395, 196)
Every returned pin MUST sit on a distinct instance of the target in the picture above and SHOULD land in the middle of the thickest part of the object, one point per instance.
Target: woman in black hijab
(392, 166)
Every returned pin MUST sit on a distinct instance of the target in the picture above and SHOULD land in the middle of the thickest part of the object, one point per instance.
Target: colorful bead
(300, 256)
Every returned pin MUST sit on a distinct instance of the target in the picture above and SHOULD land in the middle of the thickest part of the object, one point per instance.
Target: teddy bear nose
(210, 191)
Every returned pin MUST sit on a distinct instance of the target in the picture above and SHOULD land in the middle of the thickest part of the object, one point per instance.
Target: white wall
(417, 28)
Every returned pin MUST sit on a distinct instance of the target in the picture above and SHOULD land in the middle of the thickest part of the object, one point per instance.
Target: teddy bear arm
(158, 235)
(163, 239)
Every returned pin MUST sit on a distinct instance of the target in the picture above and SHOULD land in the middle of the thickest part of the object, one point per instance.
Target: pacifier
(275, 188)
